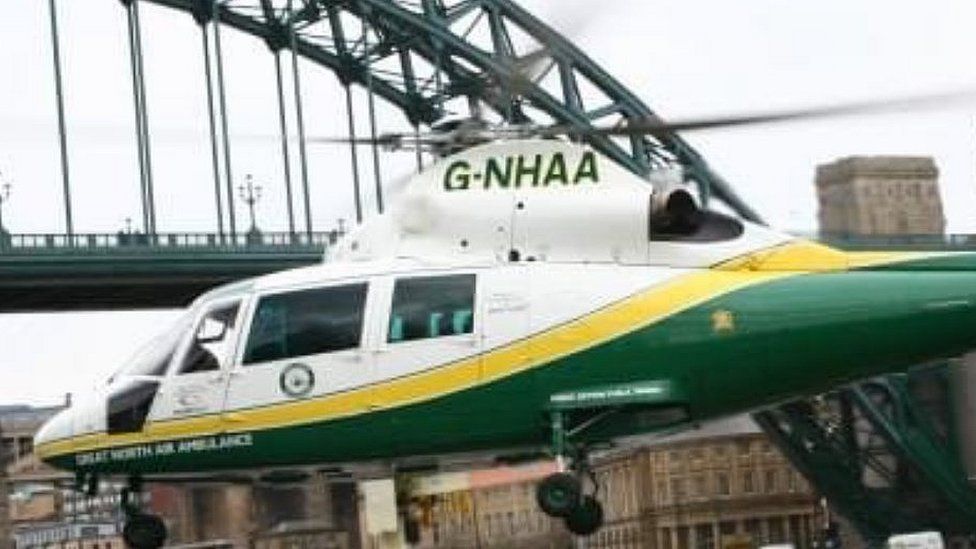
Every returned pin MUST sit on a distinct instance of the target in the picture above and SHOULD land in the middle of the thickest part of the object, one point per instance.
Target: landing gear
(558, 494)
(586, 518)
(561, 494)
(144, 531)
(141, 530)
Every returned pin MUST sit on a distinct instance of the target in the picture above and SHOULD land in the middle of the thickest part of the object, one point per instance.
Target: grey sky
(684, 57)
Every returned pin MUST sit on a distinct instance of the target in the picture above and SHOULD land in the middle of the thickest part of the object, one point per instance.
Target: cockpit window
(154, 357)
(209, 344)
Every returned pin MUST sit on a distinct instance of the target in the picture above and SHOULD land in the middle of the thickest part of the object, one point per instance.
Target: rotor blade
(656, 125)
(380, 140)
(390, 140)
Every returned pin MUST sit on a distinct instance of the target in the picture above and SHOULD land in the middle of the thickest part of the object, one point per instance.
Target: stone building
(880, 195)
(485, 508)
(719, 486)
(722, 485)
(6, 535)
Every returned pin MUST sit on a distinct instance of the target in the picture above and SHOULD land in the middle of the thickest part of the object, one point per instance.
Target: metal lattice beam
(419, 55)
(873, 452)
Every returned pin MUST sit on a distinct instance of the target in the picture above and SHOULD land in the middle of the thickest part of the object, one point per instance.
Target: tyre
(144, 531)
(586, 518)
(558, 494)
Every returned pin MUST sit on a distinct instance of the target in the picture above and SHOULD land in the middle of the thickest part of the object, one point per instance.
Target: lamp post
(251, 195)
(4, 198)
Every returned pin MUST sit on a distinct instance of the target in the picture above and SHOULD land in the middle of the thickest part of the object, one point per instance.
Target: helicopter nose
(53, 439)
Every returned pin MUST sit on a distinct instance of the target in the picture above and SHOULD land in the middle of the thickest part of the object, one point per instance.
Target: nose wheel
(144, 531)
(141, 530)
(561, 494)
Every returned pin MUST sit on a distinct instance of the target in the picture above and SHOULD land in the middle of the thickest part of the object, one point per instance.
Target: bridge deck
(131, 271)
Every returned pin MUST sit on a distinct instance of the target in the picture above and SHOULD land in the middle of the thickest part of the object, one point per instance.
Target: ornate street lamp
(251, 195)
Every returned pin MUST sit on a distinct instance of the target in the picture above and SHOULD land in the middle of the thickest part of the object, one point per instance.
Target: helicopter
(523, 295)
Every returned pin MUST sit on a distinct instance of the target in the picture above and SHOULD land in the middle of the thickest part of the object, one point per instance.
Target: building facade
(6, 534)
(879, 195)
(485, 508)
(724, 485)
(720, 486)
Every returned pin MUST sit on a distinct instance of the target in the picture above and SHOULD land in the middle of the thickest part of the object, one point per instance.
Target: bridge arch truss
(427, 57)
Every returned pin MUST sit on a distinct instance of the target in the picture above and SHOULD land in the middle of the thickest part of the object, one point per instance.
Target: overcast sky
(683, 57)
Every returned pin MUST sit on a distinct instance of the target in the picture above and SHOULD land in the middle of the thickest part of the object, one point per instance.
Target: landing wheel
(586, 518)
(144, 531)
(558, 494)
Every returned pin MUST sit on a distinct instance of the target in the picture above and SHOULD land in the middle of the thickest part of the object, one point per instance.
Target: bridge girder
(881, 454)
(420, 55)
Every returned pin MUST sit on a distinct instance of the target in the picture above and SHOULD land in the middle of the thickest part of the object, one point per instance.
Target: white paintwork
(605, 222)
(916, 540)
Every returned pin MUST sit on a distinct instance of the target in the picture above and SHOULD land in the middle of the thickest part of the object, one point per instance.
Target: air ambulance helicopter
(523, 296)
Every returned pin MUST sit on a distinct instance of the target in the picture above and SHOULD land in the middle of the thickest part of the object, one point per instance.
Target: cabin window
(306, 322)
(209, 344)
(434, 306)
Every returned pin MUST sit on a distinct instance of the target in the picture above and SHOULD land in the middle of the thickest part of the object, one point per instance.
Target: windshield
(153, 358)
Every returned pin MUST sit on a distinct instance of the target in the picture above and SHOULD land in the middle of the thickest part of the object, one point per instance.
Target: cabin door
(430, 337)
(300, 344)
(195, 386)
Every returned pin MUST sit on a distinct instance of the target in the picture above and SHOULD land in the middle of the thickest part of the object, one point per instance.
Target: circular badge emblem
(296, 380)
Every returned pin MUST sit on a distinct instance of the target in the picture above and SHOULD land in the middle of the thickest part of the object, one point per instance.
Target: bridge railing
(161, 242)
(949, 242)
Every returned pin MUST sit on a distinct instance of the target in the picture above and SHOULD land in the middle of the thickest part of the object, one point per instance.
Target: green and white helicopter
(523, 296)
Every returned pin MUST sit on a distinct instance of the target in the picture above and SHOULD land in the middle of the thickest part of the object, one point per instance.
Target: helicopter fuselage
(468, 317)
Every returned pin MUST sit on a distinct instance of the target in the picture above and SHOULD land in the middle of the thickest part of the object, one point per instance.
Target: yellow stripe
(809, 256)
(647, 307)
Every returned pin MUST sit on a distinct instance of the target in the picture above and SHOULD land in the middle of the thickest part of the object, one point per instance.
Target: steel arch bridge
(429, 58)
(421, 55)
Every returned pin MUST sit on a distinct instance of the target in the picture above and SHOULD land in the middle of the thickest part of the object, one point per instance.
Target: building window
(683, 537)
(722, 484)
(754, 529)
(698, 486)
(306, 322)
(674, 460)
(435, 306)
(771, 482)
(704, 536)
(678, 488)
(777, 534)
(744, 447)
(748, 481)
